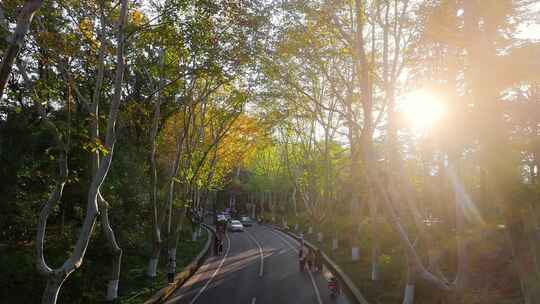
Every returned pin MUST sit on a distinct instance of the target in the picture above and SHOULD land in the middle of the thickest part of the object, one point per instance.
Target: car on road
(221, 218)
(246, 221)
(235, 225)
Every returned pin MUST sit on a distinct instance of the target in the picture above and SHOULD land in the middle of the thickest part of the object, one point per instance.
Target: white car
(246, 221)
(236, 226)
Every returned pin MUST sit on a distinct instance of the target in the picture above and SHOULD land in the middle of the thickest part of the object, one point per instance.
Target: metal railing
(349, 287)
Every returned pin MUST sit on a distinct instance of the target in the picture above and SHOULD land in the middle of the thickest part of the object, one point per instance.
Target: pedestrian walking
(216, 245)
(318, 261)
(220, 247)
(302, 258)
(221, 231)
(310, 259)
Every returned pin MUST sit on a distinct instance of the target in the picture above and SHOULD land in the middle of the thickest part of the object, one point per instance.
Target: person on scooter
(333, 286)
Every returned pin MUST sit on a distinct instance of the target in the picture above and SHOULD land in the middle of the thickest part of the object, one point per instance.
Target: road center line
(315, 287)
(253, 300)
(215, 272)
(260, 252)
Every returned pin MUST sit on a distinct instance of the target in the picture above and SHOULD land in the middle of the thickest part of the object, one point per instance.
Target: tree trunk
(366, 96)
(463, 271)
(408, 296)
(421, 271)
(56, 277)
(170, 199)
(171, 258)
(154, 259)
(410, 285)
(112, 287)
(52, 288)
(3, 21)
(522, 239)
(172, 245)
(355, 255)
(374, 238)
(156, 225)
(261, 203)
(293, 197)
(24, 20)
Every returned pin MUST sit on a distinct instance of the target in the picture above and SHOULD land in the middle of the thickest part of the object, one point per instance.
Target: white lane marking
(315, 287)
(215, 272)
(253, 300)
(260, 252)
(317, 293)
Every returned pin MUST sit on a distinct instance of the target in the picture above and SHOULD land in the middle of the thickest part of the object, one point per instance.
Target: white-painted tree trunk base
(310, 230)
(320, 237)
(152, 268)
(374, 273)
(112, 290)
(194, 236)
(355, 253)
(334, 244)
(296, 227)
(199, 232)
(408, 298)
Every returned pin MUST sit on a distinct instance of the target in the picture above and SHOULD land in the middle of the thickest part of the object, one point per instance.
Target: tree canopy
(406, 129)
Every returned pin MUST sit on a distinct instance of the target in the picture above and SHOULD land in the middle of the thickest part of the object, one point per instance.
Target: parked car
(246, 221)
(235, 225)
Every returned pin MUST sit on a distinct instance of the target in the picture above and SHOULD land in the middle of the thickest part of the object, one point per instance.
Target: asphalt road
(259, 266)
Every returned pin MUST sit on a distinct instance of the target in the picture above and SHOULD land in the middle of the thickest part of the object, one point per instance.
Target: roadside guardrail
(349, 287)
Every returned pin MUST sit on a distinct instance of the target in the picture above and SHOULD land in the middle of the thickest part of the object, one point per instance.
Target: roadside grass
(22, 284)
(138, 287)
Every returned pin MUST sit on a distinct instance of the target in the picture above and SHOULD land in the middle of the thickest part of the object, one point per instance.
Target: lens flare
(422, 109)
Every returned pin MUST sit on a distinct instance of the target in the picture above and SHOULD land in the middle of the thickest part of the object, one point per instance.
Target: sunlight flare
(422, 109)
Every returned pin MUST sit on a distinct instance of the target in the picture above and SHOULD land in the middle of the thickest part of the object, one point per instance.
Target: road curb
(350, 288)
(186, 273)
